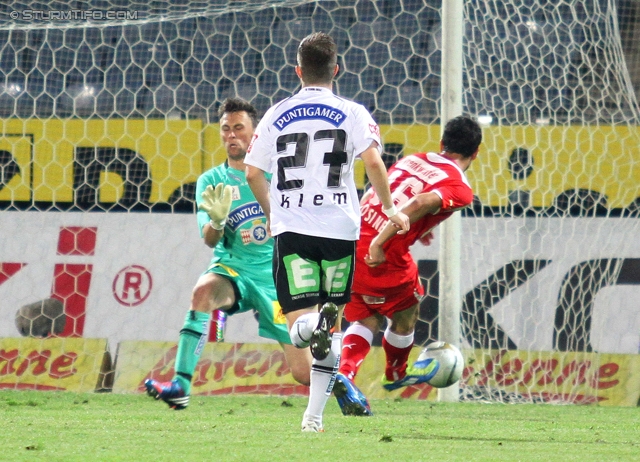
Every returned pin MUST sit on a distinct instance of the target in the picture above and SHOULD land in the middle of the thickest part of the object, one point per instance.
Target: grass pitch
(56, 426)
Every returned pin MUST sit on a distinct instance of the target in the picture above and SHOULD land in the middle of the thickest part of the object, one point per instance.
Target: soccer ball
(450, 362)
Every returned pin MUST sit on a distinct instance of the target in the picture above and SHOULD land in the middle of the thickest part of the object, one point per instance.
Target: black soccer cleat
(320, 342)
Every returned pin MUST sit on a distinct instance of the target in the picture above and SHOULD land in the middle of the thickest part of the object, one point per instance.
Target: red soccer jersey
(411, 175)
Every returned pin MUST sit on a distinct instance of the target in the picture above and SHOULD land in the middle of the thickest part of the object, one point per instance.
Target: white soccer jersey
(309, 142)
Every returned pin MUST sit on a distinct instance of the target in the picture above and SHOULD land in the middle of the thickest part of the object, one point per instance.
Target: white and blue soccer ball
(451, 363)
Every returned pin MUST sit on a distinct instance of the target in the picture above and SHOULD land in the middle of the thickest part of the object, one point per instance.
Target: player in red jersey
(428, 187)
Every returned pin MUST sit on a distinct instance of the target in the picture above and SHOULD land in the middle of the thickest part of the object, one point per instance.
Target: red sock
(396, 360)
(354, 349)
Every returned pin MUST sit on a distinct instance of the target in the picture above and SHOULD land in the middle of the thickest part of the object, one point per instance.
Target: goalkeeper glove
(217, 203)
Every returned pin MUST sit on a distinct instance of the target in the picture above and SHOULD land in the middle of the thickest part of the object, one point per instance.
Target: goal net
(108, 115)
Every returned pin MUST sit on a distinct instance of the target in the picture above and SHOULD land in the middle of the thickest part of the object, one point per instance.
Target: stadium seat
(633, 210)
(382, 28)
(134, 78)
(400, 49)
(205, 94)
(44, 106)
(259, 37)
(366, 11)
(410, 93)
(84, 58)
(273, 58)
(579, 203)
(125, 103)
(267, 82)
(300, 28)
(232, 66)
(378, 54)
(105, 104)
(322, 21)
(212, 69)
(387, 98)
(200, 48)
(186, 28)
(252, 62)
(192, 71)
(355, 60)
(172, 73)
(185, 97)
(280, 35)
(25, 106)
(246, 88)
(361, 35)
(348, 84)
(244, 21)
(394, 73)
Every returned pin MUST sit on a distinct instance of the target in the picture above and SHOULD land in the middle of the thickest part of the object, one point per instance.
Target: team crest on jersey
(257, 234)
(235, 193)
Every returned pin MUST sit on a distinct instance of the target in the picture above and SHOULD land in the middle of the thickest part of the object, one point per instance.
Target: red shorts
(397, 299)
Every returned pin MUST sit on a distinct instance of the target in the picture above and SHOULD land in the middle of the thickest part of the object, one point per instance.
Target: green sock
(193, 337)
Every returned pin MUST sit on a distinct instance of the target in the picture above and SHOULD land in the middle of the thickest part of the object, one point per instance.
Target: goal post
(449, 261)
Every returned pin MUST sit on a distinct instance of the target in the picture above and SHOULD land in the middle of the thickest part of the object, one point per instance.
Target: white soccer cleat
(312, 427)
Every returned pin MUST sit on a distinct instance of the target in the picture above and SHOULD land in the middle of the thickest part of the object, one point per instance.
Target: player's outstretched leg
(169, 392)
(420, 372)
(350, 399)
(320, 342)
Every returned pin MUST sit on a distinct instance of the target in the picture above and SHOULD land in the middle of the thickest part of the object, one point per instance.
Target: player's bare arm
(211, 235)
(377, 174)
(260, 188)
(417, 207)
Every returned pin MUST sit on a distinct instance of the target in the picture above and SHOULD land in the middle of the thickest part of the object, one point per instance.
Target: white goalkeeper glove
(217, 203)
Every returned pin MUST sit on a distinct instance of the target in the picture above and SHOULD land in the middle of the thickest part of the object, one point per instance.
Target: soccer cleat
(312, 427)
(421, 372)
(169, 392)
(350, 399)
(320, 341)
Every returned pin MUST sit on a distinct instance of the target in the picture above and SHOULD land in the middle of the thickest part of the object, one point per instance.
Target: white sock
(397, 340)
(323, 376)
(303, 328)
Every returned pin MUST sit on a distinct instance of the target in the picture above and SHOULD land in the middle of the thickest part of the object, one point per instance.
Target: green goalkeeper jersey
(245, 246)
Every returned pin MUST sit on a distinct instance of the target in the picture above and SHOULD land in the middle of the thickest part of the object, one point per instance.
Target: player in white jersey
(309, 142)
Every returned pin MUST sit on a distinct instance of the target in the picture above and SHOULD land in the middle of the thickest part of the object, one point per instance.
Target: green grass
(106, 427)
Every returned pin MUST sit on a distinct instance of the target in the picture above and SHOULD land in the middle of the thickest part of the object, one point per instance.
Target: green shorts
(257, 295)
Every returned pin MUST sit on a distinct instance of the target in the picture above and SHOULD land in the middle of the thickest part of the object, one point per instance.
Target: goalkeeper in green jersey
(239, 277)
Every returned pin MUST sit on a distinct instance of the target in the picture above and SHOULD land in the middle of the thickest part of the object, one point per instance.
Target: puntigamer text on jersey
(310, 111)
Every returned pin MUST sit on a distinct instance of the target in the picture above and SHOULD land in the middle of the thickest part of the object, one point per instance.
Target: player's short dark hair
(231, 105)
(317, 58)
(462, 135)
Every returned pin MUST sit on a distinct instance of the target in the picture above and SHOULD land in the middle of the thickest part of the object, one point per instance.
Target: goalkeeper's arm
(217, 203)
